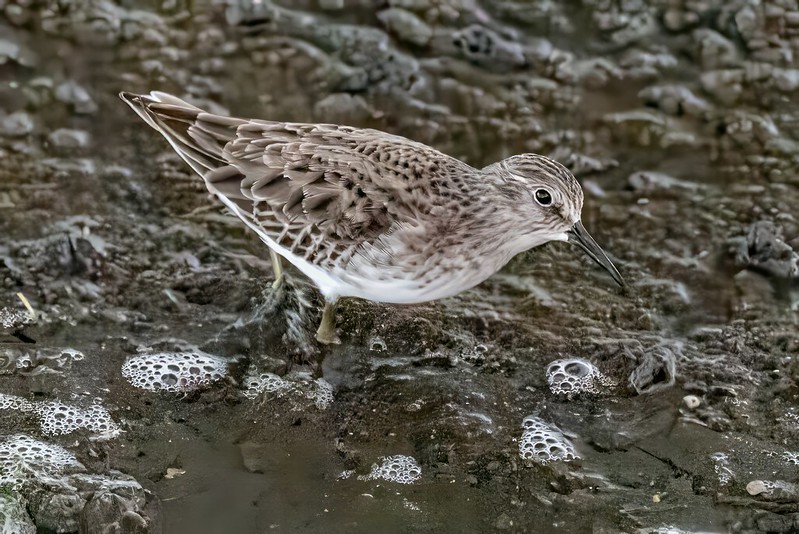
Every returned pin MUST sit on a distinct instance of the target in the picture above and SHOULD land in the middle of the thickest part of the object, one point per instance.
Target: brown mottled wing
(318, 190)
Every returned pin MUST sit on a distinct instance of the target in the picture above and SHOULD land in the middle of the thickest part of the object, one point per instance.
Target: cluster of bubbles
(791, 457)
(10, 318)
(574, 376)
(721, 465)
(174, 371)
(398, 468)
(320, 391)
(34, 362)
(269, 383)
(542, 443)
(57, 418)
(23, 457)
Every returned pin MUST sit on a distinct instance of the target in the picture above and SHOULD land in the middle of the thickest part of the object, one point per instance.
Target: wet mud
(158, 383)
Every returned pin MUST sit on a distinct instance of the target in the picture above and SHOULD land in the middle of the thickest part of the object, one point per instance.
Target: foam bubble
(254, 384)
(10, 318)
(320, 391)
(398, 468)
(721, 465)
(12, 402)
(543, 443)
(57, 418)
(174, 371)
(23, 458)
(575, 375)
(791, 457)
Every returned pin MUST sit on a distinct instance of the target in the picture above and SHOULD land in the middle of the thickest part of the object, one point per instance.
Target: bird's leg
(277, 267)
(326, 334)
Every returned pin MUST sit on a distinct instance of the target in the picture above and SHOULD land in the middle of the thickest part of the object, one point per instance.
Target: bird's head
(550, 202)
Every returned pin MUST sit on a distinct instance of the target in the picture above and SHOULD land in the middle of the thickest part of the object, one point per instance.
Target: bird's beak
(579, 236)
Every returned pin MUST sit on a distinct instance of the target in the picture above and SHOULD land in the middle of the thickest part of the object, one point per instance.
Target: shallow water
(680, 120)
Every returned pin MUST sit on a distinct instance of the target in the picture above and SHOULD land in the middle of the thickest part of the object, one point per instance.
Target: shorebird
(367, 214)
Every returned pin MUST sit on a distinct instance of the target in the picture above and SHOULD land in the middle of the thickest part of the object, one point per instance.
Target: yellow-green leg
(326, 334)
(277, 267)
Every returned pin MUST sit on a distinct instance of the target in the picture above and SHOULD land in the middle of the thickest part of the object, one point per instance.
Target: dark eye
(543, 197)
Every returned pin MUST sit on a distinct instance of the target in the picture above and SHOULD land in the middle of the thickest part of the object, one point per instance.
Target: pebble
(691, 402)
(16, 124)
(407, 26)
(76, 96)
(67, 138)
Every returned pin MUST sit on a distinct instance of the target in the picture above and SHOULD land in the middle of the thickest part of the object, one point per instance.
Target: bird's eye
(543, 197)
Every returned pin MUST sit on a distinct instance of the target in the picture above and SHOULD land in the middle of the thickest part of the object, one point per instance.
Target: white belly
(405, 291)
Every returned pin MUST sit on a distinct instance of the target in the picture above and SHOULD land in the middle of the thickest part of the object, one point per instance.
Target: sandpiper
(368, 214)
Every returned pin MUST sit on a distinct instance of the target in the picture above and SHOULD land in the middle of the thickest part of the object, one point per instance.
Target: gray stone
(331, 4)
(14, 518)
(503, 522)
(648, 181)
(487, 48)
(69, 139)
(11, 51)
(656, 370)
(76, 96)
(786, 79)
(763, 249)
(16, 124)
(407, 26)
(109, 513)
(342, 108)
(56, 509)
(715, 50)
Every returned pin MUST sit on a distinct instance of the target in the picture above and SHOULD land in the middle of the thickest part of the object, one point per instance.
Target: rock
(641, 64)
(342, 108)
(331, 4)
(786, 79)
(16, 124)
(14, 518)
(648, 181)
(725, 85)
(640, 126)
(623, 23)
(503, 522)
(77, 97)
(763, 249)
(65, 138)
(774, 490)
(109, 513)
(17, 14)
(487, 48)
(691, 402)
(715, 50)
(756, 487)
(56, 509)
(656, 370)
(407, 26)
(582, 164)
(676, 19)
(14, 52)
(674, 100)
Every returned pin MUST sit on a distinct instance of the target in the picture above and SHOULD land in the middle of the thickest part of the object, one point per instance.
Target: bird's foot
(326, 334)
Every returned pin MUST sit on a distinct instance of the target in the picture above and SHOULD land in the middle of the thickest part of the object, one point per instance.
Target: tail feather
(198, 137)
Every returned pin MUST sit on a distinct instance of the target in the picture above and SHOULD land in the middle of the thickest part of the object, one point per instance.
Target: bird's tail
(197, 136)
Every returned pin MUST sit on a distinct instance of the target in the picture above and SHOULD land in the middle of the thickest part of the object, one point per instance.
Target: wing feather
(321, 191)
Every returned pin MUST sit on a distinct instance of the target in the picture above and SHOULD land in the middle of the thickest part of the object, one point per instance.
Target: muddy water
(680, 120)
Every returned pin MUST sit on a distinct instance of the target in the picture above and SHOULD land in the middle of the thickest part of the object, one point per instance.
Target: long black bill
(579, 236)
